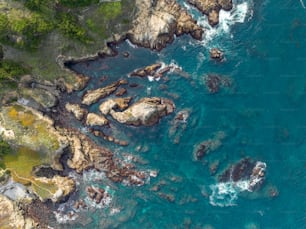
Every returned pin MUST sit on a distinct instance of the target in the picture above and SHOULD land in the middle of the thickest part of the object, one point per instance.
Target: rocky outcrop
(11, 216)
(92, 96)
(76, 110)
(147, 111)
(211, 8)
(98, 195)
(64, 187)
(87, 154)
(156, 70)
(117, 103)
(216, 54)
(96, 120)
(248, 170)
(158, 21)
(42, 93)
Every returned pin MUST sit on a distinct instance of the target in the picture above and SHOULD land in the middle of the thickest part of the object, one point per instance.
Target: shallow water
(262, 116)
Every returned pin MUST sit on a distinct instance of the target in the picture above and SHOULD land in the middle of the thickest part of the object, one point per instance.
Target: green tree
(1, 52)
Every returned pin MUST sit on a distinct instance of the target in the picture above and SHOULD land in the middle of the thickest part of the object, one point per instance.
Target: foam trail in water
(130, 43)
(302, 3)
(225, 194)
(240, 12)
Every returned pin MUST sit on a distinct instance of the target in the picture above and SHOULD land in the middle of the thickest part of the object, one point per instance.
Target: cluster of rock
(158, 21)
(146, 111)
(98, 195)
(211, 8)
(87, 154)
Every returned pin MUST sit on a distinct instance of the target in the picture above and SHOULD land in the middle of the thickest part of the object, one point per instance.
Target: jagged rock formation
(211, 8)
(78, 112)
(92, 96)
(158, 21)
(147, 111)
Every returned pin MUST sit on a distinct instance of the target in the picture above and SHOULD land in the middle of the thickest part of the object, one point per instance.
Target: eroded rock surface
(211, 8)
(248, 170)
(158, 21)
(76, 110)
(92, 96)
(147, 111)
(93, 119)
(11, 216)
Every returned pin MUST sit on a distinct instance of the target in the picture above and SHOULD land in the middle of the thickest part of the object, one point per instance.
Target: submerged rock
(211, 8)
(92, 96)
(214, 82)
(208, 145)
(157, 22)
(147, 111)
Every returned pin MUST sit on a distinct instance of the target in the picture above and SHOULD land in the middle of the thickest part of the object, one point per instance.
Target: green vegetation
(110, 10)
(5, 149)
(10, 73)
(68, 25)
(36, 32)
(30, 129)
(23, 29)
(77, 3)
(21, 164)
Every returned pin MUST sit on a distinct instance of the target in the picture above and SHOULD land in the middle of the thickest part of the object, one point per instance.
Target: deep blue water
(262, 115)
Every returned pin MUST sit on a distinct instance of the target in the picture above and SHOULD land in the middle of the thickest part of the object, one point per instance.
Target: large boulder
(146, 112)
(92, 96)
(158, 21)
(96, 120)
(76, 110)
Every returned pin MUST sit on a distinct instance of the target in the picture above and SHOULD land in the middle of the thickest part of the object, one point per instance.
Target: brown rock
(157, 22)
(121, 91)
(96, 120)
(147, 112)
(216, 54)
(77, 111)
(213, 18)
(92, 96)
(211, 8)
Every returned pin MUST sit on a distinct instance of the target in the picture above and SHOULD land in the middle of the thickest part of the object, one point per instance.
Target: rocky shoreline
(156, 24)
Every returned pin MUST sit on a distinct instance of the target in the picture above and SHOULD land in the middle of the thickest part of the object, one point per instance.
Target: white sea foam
(302, 3)
(241, 12)
(62, 218)
(227, 19)
(130, 43)
(93, 175)
(225, 194)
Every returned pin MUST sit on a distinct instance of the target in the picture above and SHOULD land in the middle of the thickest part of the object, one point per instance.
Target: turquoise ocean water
(262, 115)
